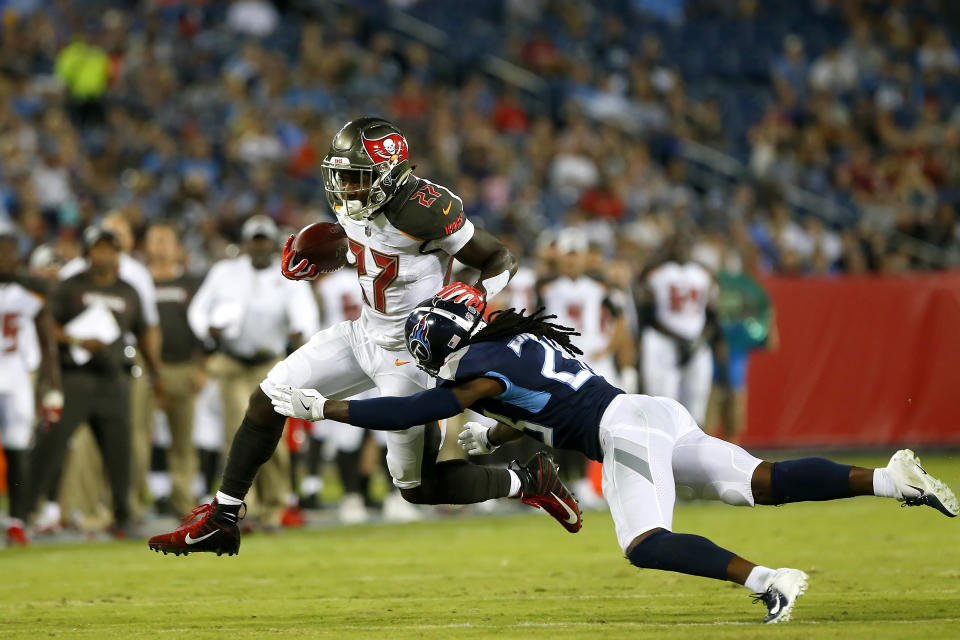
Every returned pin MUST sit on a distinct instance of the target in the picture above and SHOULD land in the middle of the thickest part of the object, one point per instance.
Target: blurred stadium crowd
(807, 137)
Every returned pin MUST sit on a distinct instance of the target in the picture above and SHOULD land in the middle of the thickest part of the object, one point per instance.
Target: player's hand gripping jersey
(544, 387)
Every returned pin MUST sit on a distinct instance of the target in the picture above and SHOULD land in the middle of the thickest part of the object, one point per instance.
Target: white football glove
(304, 404)
(474, 439)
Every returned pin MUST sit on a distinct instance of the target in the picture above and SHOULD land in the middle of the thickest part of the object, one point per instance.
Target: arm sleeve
(393, 413)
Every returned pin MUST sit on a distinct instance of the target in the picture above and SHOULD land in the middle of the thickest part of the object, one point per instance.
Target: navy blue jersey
(552, 397)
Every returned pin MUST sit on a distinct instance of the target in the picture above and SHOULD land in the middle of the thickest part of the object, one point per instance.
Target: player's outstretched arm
(390, 413)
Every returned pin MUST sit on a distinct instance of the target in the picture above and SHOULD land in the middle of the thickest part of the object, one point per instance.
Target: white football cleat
(352, 509)
(917, 487)
(396, 509)
(781, 594)
(49, 521)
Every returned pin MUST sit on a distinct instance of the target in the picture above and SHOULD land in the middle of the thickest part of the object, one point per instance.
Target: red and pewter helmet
(367, 164)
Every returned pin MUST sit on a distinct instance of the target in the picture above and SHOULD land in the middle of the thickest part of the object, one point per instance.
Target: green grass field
(875, 571)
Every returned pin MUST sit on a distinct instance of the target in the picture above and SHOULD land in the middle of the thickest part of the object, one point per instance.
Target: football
(323, 244)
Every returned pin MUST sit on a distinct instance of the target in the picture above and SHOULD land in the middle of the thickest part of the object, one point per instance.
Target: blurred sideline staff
(249, 314)
(93, 311)
(182, 363)
(134, 273)
(26, 343)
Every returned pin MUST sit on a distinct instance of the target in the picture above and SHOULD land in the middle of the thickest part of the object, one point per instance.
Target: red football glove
(465, 293)
(303, 270)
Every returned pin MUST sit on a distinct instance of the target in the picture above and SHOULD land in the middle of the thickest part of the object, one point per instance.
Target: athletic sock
(252, 446)
(883, 485)
(807, 479)
(311, 485)
(227, 501)
(758, 579)
(682, 553)
(514, 484)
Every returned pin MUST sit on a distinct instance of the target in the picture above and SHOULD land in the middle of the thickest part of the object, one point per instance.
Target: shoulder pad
(431, 211)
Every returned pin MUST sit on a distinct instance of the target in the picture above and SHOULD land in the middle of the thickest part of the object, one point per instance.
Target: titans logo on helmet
(418, 345)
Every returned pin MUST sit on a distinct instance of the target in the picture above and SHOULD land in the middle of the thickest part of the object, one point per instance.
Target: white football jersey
(681, 293)
(405, 255)
(18, 342)
(340, 296)
(580, 304)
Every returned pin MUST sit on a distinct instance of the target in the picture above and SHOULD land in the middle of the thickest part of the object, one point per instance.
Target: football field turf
(876, 570)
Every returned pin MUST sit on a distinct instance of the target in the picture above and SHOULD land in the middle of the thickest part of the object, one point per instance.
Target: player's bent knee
(643, 555)
(260, 410)
(640, 538)
(417, 495)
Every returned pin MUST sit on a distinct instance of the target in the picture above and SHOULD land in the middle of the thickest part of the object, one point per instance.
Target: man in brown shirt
(96, 378)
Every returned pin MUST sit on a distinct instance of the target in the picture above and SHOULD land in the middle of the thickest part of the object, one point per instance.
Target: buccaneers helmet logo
(390, 148)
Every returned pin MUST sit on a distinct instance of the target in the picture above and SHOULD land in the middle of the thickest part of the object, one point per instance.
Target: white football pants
(662, 376)
(340, 362)
(653, 450)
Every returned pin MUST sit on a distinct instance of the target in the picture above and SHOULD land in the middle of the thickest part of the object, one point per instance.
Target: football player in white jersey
(27, 330)
(403, 234)
(582, 301)
(675, 351)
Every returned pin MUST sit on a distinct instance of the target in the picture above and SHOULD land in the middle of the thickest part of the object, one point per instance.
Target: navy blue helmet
(442, 324)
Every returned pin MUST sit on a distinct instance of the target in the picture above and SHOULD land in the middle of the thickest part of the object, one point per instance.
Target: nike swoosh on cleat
(190, 540)
(922, 492)
(573, 516)
(776, 609)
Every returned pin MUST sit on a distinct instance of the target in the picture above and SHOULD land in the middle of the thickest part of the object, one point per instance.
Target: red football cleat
(210, 527)
(292, 517)
(16, 535)
(541, 487)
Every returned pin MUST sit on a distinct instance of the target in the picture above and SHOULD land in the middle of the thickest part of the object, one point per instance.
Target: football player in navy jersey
(522, 371)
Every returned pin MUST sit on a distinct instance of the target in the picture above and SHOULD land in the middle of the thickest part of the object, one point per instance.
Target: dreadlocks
(508, 323)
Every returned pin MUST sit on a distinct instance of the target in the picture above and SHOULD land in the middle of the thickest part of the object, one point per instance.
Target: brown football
(322, 243)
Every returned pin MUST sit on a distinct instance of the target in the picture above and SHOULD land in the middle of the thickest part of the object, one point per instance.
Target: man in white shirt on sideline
(250, 314)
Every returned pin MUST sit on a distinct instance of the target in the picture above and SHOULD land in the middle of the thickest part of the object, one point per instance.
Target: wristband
(495, 285)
